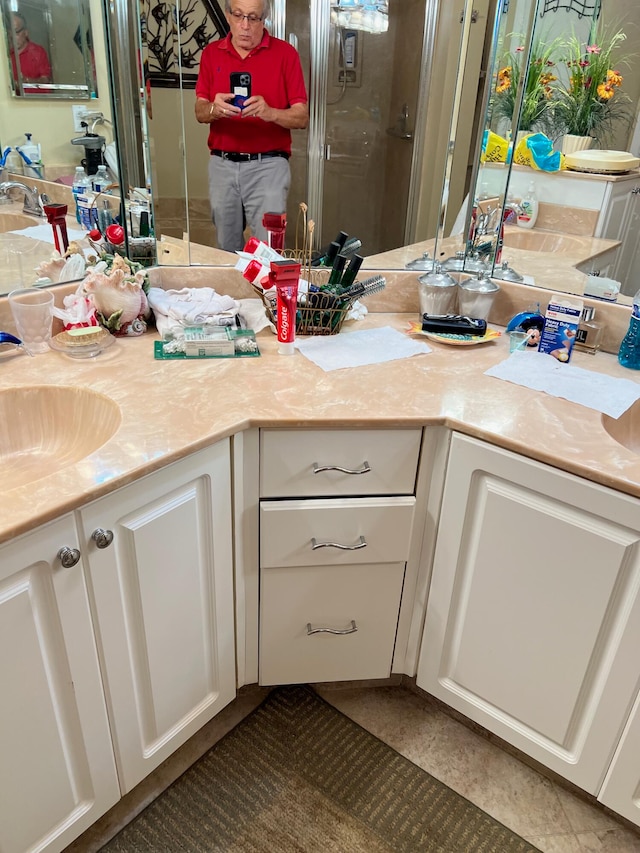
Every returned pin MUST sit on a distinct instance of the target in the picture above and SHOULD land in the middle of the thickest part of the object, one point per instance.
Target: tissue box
(602, 288)
(561, 322)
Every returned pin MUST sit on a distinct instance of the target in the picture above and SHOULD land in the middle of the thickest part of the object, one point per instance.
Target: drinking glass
(32, 311)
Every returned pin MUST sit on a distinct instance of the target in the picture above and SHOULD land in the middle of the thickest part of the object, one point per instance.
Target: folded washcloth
(193, 305)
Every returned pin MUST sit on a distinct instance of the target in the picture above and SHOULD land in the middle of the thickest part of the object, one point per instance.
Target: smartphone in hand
(241, 87)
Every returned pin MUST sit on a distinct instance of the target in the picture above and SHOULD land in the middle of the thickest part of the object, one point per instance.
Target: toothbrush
(29, 162)
(5, 154)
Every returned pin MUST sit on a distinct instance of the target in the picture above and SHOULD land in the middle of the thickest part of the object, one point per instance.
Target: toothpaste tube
(284, 277)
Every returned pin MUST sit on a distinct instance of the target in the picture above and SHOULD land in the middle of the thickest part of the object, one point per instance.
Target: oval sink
(47, 428)
(542, 241)
(625, 429)
(16, 221)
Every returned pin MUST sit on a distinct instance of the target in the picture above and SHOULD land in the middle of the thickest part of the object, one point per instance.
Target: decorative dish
(82, 343)
(455, 340)
(463, 340)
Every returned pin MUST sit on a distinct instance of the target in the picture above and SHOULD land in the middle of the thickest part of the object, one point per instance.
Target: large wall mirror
(375, 162)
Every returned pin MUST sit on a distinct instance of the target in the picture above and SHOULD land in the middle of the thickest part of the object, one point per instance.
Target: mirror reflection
(374, 164)
(580, 89)
(49, 49)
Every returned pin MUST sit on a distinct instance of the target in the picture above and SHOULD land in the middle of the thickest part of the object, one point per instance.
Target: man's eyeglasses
(253, 19)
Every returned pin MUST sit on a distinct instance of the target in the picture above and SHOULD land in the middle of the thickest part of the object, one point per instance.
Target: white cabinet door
(533, 619)
(163, 592)
(621, 789)
(57, 769)
(612, 222)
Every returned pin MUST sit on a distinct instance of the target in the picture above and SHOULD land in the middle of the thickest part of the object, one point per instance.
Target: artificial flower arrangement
(584, 100)
(591, 102)
(537, 105)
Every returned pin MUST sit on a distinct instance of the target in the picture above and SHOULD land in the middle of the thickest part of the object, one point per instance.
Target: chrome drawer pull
(364, 470)
(350, 630)
(315, 545)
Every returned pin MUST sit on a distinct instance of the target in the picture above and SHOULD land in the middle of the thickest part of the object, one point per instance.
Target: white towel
(193, 305)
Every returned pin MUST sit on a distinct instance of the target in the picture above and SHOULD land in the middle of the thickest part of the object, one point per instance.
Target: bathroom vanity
(465, 510)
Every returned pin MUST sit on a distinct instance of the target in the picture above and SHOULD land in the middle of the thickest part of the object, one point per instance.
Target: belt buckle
(245, 157)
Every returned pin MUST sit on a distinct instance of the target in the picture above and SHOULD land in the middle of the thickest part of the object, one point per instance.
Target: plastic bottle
(15, 163)
(31, 149)
(529, 205)
(80, 187)
(629, 352)
(101, 179)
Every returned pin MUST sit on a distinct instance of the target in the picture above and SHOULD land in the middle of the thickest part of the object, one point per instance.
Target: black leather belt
(243, 158)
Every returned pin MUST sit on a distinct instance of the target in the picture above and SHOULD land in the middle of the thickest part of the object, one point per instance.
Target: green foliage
(537, 104)
(591, 102)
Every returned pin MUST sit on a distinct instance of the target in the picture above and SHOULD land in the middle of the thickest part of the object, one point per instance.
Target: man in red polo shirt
(249, 171)
(34, 62)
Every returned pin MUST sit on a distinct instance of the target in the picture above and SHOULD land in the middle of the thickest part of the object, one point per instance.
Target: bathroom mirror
(49, 49)
(178, 152)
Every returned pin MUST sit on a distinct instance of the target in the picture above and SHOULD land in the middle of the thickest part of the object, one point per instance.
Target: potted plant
(537, 109)
(591, 103)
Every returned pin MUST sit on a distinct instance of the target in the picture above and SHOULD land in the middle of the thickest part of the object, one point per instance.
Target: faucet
(32, 204)
(511, 211)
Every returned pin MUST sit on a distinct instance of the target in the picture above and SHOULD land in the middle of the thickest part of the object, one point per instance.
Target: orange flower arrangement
(592, 102)
(536, 110)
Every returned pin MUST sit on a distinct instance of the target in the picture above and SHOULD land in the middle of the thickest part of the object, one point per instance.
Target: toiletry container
(101, 180)
(424, 263)
(629, 352)
(529, 208)
(14, 163)
(31, 149)
(589, 332)
(476, 295)
(437, 292)
(80, 187)
(455, 263)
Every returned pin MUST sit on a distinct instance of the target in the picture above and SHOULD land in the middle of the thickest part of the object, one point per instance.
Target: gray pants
(248, 189)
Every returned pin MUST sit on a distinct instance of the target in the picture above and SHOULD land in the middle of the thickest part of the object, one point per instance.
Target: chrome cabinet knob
(68, 557)
(102, 538)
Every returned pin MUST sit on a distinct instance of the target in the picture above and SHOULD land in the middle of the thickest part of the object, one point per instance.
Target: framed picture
(174, 37)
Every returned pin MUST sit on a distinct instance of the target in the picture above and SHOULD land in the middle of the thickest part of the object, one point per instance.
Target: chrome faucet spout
(32, 203)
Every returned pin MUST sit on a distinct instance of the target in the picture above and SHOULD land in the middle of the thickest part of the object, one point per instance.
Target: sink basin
(625, 429)
(46, 428)
(542, 241)
(16, 221)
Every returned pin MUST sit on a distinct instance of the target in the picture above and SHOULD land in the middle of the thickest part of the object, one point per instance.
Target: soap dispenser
(528, 208)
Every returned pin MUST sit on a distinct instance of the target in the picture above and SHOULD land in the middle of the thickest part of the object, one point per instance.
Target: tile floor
(538, 809)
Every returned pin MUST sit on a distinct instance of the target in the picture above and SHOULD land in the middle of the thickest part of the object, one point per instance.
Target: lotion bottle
(529, 208)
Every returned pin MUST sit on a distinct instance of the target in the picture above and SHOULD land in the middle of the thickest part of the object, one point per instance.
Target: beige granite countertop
(541, 266)
(172, 408)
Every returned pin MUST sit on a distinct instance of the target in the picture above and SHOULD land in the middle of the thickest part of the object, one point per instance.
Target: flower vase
(572, 143)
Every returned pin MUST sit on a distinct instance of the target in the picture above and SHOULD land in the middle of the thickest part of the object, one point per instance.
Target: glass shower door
(353, 166)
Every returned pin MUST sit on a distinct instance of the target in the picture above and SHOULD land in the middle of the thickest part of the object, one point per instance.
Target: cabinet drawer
(300, 463)
(329, 597)
(332, 531)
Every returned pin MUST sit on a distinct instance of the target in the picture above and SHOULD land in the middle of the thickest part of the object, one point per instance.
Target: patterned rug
(297, 776)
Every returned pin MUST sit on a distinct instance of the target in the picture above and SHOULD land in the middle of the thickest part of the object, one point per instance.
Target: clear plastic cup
(518, 341)
(32, 311)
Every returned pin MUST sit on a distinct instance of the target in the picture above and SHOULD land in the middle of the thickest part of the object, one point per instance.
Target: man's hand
(295, 116)
(220, 107)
